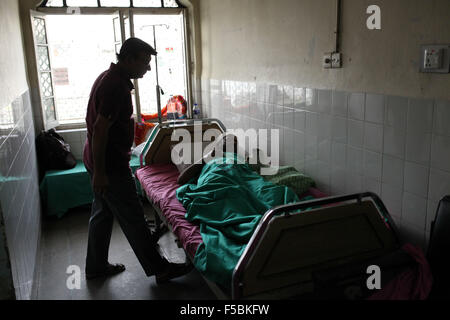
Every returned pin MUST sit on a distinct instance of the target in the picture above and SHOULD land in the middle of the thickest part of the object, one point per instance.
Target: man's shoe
(173, 270)
(111, 270)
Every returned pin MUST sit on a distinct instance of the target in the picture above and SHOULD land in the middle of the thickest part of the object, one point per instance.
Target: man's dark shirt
(111, 97)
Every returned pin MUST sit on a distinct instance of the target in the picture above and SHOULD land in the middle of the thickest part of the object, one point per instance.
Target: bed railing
(236, 289)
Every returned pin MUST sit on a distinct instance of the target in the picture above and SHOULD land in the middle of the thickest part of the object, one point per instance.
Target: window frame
(133, 10)
(44, 5)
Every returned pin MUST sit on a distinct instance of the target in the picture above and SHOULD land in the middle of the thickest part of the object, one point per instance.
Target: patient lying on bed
(227, 199)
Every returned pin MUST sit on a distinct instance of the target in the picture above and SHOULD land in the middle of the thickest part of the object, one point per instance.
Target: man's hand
(99, 142)
(100, 183)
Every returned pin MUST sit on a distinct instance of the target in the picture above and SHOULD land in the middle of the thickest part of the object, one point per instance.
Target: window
(49, 111)
(81, 48)
(78, 47)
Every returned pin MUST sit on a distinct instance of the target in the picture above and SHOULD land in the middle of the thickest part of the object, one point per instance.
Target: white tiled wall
(19, 192)
(397, 147)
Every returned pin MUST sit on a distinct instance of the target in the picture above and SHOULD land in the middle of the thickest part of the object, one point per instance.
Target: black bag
(53, 152)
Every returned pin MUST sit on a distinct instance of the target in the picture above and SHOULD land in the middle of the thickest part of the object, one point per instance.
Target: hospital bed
(311, 249)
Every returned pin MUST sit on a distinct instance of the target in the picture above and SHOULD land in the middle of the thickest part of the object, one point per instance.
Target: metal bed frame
(250, 274)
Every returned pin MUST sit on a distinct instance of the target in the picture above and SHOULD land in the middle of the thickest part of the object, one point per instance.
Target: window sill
(71, 126)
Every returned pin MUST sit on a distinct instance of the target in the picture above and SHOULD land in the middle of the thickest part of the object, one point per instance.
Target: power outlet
(332, 60)
(327, 62)
(435, 58)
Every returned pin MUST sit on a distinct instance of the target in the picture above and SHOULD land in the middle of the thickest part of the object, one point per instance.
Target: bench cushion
(62, 190)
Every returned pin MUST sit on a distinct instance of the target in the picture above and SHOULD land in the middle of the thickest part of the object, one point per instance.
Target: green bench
(62, 190)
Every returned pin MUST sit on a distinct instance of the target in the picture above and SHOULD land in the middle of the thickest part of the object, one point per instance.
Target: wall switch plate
(326, 62)
(336, 61)
(435, 58)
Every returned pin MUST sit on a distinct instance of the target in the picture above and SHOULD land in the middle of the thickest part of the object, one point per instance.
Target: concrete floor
(64, 243)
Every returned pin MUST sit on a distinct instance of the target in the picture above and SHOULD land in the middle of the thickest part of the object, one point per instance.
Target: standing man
(110, 134)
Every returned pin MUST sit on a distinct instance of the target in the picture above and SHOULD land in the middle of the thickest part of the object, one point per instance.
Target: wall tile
(373, 137)
(278, 116)
(441, 118)
(440, 152)
(356, 106)
(339, 103)
(397, 147)
(269, 114)
(260, 92)
(338, 179)
(324, 101)
(288, 96)
(21, 220)
(374, 111)
(420, 115)
(439, 184)
(414, 209)
(299, 98)
(339, 154)
(300, 120)
(393, 171)
(324, 151)
(299, 147)
(288, 146)
(392, 197)
(252, 91)
(311, 99)
(432, 206)
(372, 165)
(353, 182)
(416, 179)
(288, 118)
(323, 176)
(418, 147)
(394, 142)
(274, 94)
(260, 111)
(396, 112)
(339, 129)
(311, 145)
(312, 123)
(324, 126)
(311, 168)
(355, 133)
(355, 160)
(372, 185)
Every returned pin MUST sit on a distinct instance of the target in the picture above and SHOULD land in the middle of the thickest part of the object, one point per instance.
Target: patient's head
(230, 143)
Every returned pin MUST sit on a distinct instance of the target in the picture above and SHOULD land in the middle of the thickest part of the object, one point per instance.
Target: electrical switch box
(332, 60)
(435, 58)
(336, 60)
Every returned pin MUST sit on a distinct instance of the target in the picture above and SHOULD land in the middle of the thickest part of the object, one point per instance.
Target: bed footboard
(289, 247)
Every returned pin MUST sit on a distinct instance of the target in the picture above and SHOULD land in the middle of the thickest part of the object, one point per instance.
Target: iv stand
(159, 90)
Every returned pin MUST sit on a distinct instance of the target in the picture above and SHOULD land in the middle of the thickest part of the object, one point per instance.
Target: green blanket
(228, 200)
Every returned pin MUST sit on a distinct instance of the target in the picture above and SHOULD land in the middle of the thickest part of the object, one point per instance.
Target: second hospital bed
(312, 248)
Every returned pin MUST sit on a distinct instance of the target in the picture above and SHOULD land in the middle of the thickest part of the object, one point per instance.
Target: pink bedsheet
(160, 184)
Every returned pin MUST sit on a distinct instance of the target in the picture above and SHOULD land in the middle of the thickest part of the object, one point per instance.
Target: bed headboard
(158, 145)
